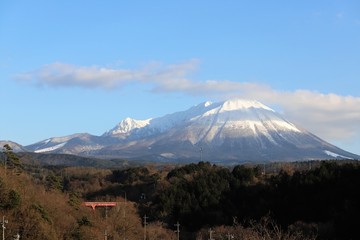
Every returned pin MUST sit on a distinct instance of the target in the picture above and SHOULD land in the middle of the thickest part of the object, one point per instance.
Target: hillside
(250, 202)
(40, 206)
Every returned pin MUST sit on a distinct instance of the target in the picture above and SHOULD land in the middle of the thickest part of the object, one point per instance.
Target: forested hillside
(323, 201)
(287, 201)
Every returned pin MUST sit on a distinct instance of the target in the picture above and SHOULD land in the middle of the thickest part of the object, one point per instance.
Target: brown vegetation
(46, 202)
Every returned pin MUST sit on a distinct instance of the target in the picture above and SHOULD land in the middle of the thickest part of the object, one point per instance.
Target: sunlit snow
(335, 155)
(49, 149)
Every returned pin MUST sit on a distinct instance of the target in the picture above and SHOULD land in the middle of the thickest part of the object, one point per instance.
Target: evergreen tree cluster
(325, 200)
(11, 161)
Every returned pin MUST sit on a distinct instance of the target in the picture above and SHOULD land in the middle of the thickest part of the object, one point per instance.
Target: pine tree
(12, 161)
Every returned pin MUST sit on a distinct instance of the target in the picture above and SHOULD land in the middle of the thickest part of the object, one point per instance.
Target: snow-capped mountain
(228, 131)
(211, 123)
(125, 127)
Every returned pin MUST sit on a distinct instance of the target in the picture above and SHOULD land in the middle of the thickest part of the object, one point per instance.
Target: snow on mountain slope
(335, 155)
(142, 128)
(49, 149)
(72, 144)
(212, 121)
(50, 143)
(232, 130)
(239, 117)
(126, 126)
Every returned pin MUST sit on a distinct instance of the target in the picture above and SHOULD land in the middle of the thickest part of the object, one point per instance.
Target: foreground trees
(242, 202)
(324, 200)
(11, 160)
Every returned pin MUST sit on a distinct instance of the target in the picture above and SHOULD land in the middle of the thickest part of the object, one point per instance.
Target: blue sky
(83, 66)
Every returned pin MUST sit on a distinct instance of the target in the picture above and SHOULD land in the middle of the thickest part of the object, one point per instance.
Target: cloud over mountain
(317, 111)
(67, 75)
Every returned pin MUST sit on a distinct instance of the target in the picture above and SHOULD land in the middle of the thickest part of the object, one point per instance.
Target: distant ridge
(227, 132)
(14, 146)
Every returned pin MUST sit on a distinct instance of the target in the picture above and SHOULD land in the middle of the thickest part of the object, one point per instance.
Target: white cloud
(67, 75)
(331, 116)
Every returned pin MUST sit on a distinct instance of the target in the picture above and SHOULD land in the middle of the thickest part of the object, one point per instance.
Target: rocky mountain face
(225, 132)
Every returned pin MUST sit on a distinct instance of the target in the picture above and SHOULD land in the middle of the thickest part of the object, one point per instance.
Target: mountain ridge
(234, 130)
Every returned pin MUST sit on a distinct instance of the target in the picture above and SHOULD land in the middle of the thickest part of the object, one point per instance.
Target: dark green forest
(325, 200)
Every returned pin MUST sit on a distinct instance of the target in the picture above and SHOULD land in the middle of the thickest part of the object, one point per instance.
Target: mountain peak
(238, 103)
(126, 126)
(207, 103)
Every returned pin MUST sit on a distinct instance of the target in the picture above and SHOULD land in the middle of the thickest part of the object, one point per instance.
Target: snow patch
(62, 139)
(335, 155)
(208, 103)
(167, 155)
(49, 149)
(286, 125)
